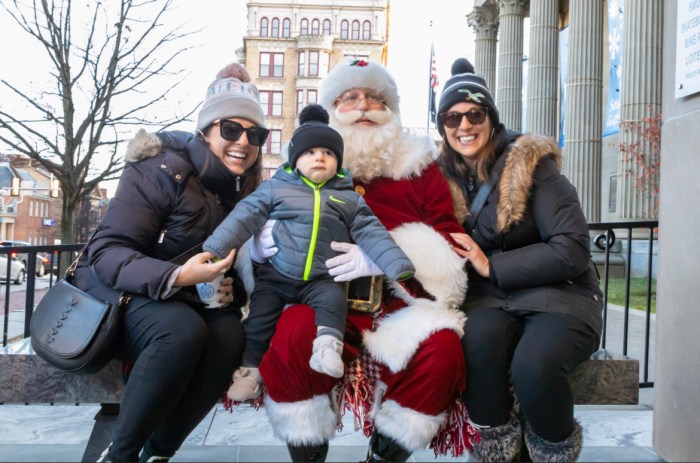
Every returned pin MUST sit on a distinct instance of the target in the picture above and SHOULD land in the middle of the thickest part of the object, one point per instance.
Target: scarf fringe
(456, 434)
(358, 392)
(255, 403)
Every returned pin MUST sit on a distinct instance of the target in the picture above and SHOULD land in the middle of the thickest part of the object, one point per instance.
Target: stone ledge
(48, 384)
(606, 378)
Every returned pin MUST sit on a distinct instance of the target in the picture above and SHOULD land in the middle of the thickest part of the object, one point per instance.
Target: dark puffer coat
(171, 196)
(536, 236)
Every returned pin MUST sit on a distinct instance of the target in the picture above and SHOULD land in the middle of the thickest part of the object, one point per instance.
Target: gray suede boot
(546, 451)
(498, 443)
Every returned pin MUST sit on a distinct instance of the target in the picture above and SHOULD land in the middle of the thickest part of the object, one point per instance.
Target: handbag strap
(485, 191)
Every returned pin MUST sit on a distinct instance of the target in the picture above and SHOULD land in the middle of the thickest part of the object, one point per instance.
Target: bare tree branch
(105, 59)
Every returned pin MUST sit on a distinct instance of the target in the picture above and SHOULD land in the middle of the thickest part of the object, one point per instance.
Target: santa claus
(412, 371)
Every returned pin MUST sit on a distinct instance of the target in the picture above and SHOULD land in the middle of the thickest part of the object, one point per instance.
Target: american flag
(433, 84)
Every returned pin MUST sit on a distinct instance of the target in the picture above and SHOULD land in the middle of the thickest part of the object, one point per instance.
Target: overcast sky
(223, 24)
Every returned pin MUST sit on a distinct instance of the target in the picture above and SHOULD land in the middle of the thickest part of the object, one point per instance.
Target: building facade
(290, 47)
(32, 216)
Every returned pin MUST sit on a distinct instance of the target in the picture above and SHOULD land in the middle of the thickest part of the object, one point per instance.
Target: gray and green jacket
(308, 217)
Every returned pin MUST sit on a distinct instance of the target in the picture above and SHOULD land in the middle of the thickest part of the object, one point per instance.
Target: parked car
(17, 272)
(41, 262)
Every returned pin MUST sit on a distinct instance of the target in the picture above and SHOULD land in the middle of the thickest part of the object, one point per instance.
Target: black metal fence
(633, 233)
(58, 257)
(610, 256)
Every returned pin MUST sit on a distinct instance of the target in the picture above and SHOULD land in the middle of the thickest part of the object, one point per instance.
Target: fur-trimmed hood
(516, 179)
(144, 145)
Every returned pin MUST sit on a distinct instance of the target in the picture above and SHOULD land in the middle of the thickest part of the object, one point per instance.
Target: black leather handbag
(73, 330)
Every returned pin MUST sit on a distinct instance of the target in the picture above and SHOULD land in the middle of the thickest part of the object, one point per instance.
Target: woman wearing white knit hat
(175, 189)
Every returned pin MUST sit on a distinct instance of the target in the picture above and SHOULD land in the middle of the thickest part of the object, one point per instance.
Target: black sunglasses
(452, 119)
(232, 131)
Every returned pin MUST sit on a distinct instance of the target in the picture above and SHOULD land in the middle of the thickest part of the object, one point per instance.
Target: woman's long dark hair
(455, 167)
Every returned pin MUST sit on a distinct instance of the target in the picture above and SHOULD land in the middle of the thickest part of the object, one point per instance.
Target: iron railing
(59, 255)
(62, 255)
(605, 241)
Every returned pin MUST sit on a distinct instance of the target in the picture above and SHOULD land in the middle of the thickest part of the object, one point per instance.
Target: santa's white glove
(263, 245)
(353, 263)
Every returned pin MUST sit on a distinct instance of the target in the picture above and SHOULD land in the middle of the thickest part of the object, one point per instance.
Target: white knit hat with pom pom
(231, 95)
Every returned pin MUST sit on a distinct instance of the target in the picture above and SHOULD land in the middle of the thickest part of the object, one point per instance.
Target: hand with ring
(226, 291)
(472, 252)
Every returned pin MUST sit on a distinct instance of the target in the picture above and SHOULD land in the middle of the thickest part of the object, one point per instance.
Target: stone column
(484, 21)
(543, 72)
(583, 114)
(509, 89)
(640, 104)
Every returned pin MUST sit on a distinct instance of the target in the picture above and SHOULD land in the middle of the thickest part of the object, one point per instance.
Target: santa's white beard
(368, 150)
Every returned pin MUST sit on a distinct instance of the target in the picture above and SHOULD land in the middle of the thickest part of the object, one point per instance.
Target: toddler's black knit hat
(314, 131)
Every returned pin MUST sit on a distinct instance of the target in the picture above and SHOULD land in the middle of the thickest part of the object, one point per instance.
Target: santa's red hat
(359, 73)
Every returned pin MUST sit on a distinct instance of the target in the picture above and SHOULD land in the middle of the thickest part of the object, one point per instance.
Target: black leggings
(183, 361)
(532, 351)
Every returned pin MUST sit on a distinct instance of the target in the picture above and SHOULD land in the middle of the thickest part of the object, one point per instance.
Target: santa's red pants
(412, 407)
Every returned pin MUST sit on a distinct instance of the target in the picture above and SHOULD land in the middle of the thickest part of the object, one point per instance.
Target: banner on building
(615, 32)
(563, 67)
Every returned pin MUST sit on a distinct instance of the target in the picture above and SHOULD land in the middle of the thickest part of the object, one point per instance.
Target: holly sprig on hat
(359, 62)
(475, 97)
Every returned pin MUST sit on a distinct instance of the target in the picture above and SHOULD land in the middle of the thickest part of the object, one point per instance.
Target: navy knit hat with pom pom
(465, 85)
(314, 131)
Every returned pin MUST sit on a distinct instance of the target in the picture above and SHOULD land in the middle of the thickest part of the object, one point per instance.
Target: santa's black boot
(544, 450)
(308, 453)
(383, 448)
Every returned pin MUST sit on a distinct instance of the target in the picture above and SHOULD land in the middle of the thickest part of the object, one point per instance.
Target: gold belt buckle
(365, 294)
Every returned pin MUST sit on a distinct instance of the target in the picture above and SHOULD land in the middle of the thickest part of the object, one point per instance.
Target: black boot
(383, 448)
(308, 453)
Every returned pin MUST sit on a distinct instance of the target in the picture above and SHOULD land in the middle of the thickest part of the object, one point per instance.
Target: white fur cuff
(412, 429)
(307, 422)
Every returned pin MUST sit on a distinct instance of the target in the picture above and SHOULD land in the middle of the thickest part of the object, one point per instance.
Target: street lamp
(17, 187)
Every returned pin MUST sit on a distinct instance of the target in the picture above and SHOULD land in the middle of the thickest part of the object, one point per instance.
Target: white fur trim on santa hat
(358, 74)
(307, 422)
(412, 429)
(397, 335)
(438, 268)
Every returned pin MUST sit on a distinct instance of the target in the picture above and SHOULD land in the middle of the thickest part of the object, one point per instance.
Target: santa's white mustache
(378, 116)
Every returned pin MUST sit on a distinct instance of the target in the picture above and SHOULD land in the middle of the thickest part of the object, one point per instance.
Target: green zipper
(314, 229)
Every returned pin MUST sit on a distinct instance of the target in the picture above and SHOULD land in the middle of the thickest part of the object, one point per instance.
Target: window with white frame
(326, 27)
(344, 29)
(275, 30)
(366, 30)
(312, 96)
(300, 101)
(313, 62)
(315, 27)
(304, 29)
(301, 64)
(356, 30)
(286, 27)
(264, 23)
(271, 64)
(271, 102)
(273, 144)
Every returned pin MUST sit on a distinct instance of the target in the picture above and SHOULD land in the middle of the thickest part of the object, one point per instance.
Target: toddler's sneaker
(247, 384)
(326, 356)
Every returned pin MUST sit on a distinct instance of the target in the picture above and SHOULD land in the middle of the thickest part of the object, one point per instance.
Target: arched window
(344, 29)
(263, 27)
(315, 27)
(304, 27)
(366, 30)
(326, 27)
(286, 27)
(275, 30)
(356, 30)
